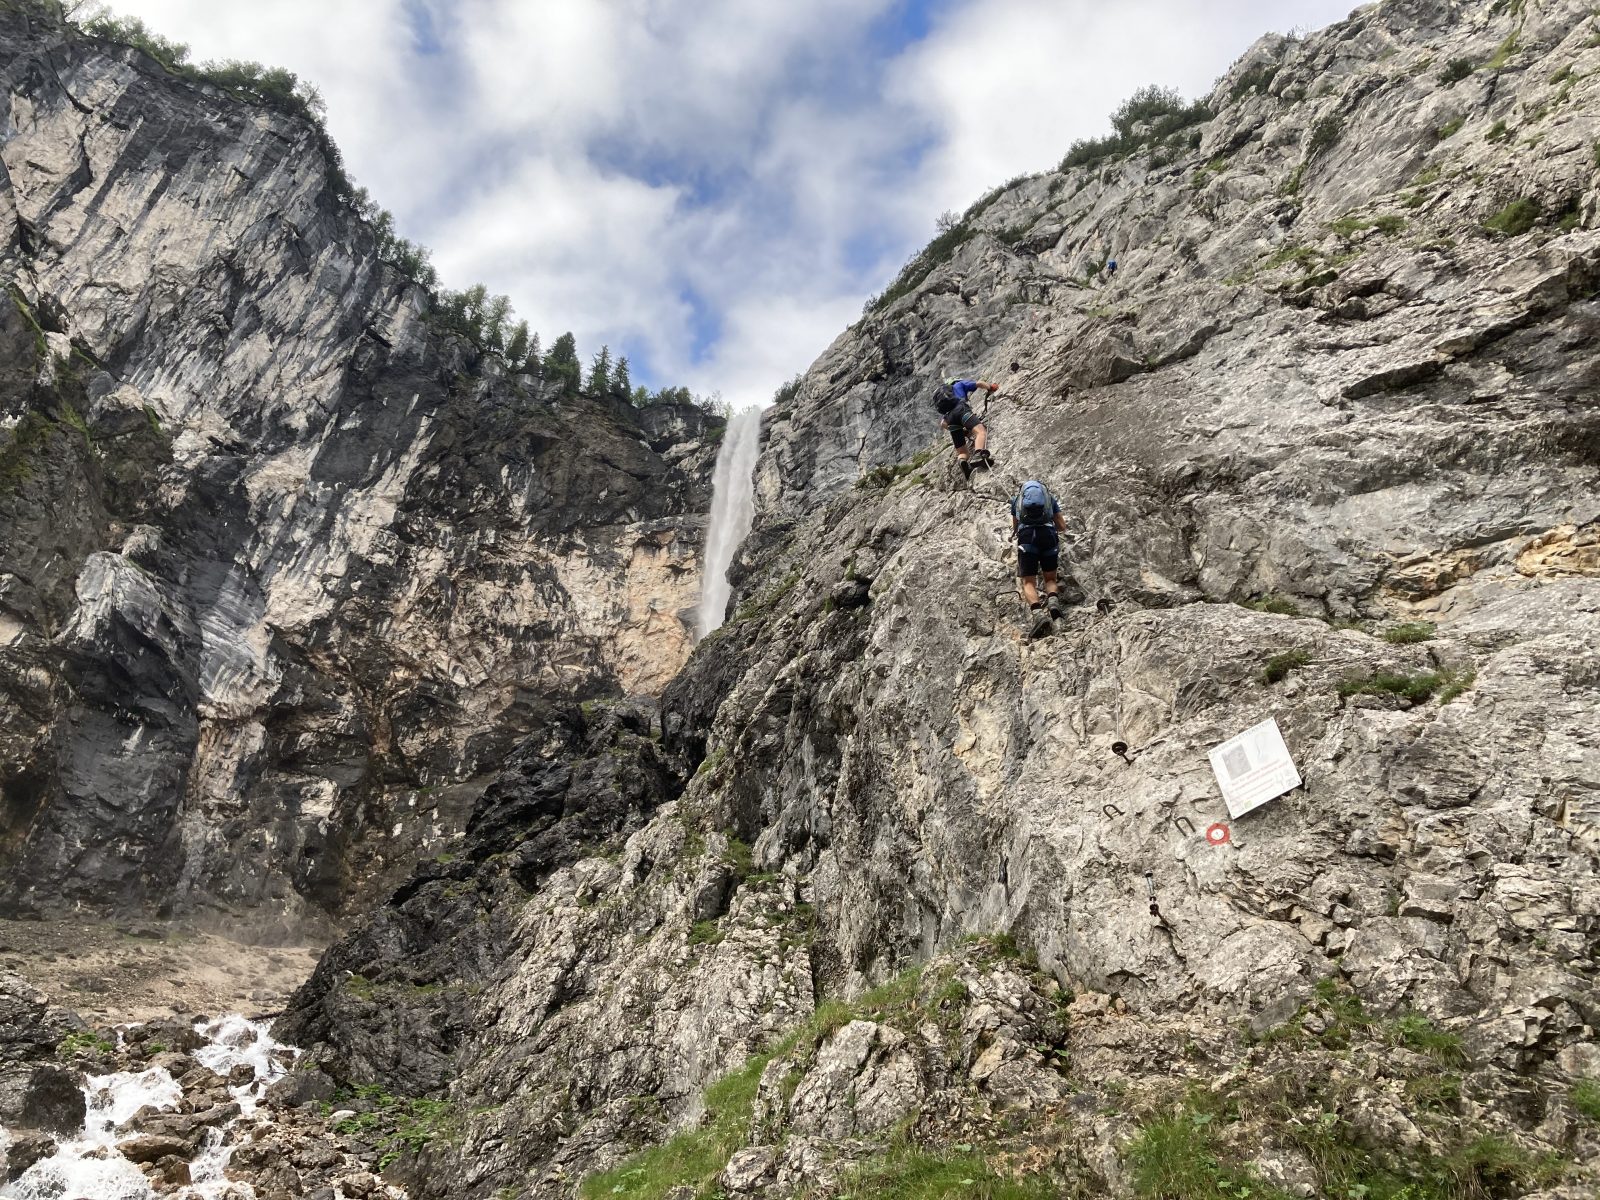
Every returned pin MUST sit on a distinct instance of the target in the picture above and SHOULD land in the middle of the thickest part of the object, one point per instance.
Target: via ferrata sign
(1253, 768)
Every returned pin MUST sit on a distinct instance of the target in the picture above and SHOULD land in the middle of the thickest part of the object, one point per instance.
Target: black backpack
(946, 400)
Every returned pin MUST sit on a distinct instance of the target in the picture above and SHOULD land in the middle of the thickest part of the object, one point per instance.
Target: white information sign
(1253, 768)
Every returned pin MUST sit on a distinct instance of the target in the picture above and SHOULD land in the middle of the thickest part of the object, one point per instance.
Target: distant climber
(1037, 524)
(953, 400)
(1111, 269)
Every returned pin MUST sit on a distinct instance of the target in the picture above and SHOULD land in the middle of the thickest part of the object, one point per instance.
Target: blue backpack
(1033, 505)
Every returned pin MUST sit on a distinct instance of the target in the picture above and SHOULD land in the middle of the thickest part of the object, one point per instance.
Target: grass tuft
(1409, 633)
(1515, 218)
(908, 1172)
(1279, 666)
(1585, 1098)
(1280, 605)
(1416, 688)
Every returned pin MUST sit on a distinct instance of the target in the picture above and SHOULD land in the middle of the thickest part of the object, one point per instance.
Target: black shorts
(1037, 550)
(961, 423)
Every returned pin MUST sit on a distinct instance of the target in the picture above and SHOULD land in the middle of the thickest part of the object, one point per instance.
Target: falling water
(90, 1165)
(732, 507)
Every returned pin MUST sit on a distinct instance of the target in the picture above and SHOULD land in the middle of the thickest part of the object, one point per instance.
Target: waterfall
(732, 508)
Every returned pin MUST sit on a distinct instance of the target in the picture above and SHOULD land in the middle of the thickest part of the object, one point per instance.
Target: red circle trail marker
(1218, 834)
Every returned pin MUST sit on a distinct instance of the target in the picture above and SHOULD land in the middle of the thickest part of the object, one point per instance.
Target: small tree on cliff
(561, 364)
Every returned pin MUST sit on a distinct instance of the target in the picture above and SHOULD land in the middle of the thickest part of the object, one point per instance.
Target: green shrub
(1303, 257)
(1415, 688)
(1456, 684)
(1272, 604)
(1515, 218)
(1279, 665)
(1325, 133)
(1450, 128)
(1503, 53)
(1586, 1098)
(1257, 79)
(84, 1042)
(1456, 70)
(1415, 1031)
(1160, 111)
(1498, 132)
(1409, 633)
(705, 933)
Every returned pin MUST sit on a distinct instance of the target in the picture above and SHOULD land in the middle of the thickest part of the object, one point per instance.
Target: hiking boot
(1055, 606)
(966, 468)
(980, 458)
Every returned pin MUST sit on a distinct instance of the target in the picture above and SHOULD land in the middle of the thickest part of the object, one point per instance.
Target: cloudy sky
(713, 187)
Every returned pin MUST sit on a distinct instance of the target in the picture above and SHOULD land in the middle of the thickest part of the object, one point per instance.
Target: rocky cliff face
(1330, 449)
(285, 573)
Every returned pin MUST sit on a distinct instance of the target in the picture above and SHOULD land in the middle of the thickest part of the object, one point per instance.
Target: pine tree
(534, 363)
(621, 385)
(600, 373)
(517, 346)
(561, 364)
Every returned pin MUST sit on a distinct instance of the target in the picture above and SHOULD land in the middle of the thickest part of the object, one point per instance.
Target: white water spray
(90, 1165)
(732, 509)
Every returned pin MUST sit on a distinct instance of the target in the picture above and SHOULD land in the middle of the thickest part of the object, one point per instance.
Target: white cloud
(645, 171)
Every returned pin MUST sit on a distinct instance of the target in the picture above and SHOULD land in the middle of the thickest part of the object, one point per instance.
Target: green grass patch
(695, 1157)
(712, 761)
(1279, 666)
(1409, 633)
(1325, 134)
(84, 1042)
(1456, 70)
(1450, 128)
(884, 476)
(1585, 1098)
(1503, 52)
(1515, 218)
(760, 606)
(1303, 257)
(1416, 1032)
(1457, 683)
(397, 1123)
(705, 933)
(1280, 605)
(1181, 1158)
(1416, 688)
(741, 858)
(1498, 132)
(908, 1172)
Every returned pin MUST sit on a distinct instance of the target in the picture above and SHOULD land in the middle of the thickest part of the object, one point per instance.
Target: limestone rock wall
(284, 571)
(1344, 382)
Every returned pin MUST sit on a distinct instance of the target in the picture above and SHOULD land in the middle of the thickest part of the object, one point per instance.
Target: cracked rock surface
(286, 571)
(1330, 452)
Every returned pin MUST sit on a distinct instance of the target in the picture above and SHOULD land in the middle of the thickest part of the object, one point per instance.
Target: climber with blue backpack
(1037, 524)
(953, 399)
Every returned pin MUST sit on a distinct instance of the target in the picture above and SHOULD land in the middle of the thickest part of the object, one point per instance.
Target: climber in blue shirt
(953, 400)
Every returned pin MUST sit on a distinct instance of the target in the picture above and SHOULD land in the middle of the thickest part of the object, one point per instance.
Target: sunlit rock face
(1335, 378)
(284, 572)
